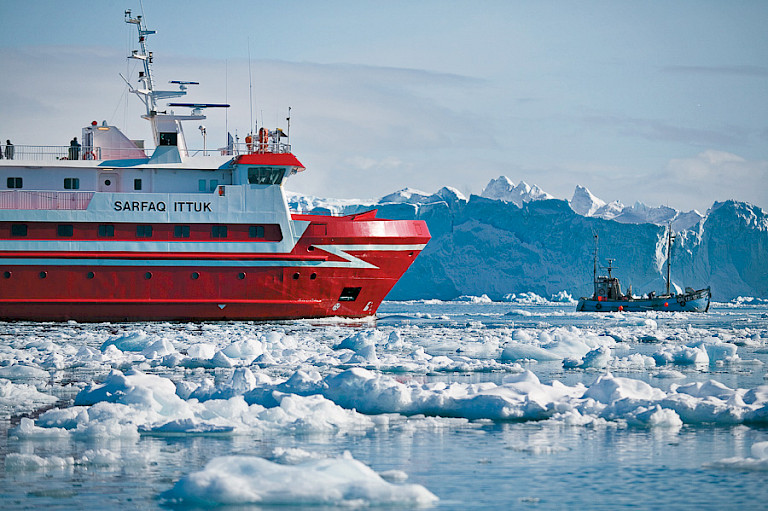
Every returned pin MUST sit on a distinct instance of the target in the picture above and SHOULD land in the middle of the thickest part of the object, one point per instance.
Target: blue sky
(661, 102)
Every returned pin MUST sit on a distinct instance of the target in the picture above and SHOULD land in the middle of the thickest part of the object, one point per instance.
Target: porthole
(296, 276)
(43, 274)
(107, 182)
(313, 276)
(195, 275)
(7, 274)
(90, 275)
(311, 248)
(148, 275)
(241, 275)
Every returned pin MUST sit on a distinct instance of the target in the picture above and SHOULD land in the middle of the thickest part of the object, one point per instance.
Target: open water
(479, 455)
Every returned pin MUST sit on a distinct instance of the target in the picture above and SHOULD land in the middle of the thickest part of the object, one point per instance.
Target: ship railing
(52, 153)
(239, 148)
(44, 199)
(34, 152)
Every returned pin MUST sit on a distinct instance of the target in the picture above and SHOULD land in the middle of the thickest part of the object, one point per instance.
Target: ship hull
(698, 301)
(341, 266)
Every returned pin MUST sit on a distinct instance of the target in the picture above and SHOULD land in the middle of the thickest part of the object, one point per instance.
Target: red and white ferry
(107, 231)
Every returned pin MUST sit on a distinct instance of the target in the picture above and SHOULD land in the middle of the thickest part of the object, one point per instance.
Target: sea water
(449, 405)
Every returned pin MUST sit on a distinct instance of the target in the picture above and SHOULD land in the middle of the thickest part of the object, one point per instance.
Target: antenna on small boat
(594, 273)
(670, 238)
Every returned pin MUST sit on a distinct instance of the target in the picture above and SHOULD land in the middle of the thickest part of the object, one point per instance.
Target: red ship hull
(341, 266)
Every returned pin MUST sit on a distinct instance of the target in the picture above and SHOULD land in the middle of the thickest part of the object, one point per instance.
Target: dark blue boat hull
(698, 301)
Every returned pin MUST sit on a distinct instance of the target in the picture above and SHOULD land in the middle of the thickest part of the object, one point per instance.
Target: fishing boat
(608, 297)
(107, 230)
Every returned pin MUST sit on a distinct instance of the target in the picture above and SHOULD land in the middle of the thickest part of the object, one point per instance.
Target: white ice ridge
(126, 405)
(343, 481)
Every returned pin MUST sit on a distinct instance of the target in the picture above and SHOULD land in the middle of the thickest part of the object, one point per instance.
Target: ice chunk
(518, 351)
(608, 389)
(238, 480)
(758, 461)
(15, 462)
(17, 372)
(133, 341)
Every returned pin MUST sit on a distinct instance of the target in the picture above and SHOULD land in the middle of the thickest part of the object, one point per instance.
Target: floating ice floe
(474, 299)
(345, 482)
(529, 298)
(757, 462)
(23, 462)
(21, 396)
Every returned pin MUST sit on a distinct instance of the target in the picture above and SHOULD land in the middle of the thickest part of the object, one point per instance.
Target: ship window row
(73, 183)
(269, 232)
(348, 294)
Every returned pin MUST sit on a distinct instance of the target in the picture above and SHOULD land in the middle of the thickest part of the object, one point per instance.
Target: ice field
(468, 404)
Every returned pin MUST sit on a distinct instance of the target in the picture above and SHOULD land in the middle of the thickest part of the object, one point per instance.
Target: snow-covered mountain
(496, 247)
(585, 203)
(504, 189)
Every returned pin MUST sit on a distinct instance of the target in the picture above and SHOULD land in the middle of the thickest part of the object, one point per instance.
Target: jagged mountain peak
(584, 202)
(502, 188)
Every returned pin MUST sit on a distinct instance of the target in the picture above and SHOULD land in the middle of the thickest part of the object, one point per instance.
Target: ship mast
(670, 238)
(147, 93)
(594, 273)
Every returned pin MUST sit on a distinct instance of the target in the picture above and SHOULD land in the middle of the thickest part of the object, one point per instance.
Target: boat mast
(594, 273)
(146, 94)
(670, 238)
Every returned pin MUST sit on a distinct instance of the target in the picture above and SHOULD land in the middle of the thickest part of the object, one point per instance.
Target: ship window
(71, 183)
(349, 294)
(106, 231)
(265, 175)
(168, 139)
(143, 231)
(214, 184)
(201, 184)
(137, 184)
(181, 231)
(15, 182)
(219, 231)
(256, 231)
(18, 229)
(65, 230)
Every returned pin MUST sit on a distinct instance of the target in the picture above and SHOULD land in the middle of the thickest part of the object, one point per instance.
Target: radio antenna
(252, 128)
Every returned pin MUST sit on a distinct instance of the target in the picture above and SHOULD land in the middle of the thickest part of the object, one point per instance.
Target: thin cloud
(734, 70)
(657, 130)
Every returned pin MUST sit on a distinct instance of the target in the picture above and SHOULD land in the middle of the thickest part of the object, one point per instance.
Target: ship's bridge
(265, 168)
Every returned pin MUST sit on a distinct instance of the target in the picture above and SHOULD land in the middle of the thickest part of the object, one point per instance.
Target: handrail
(64, 153)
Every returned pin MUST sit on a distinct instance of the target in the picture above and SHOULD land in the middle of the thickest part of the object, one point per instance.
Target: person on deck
(74, 149)
(8, 150)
